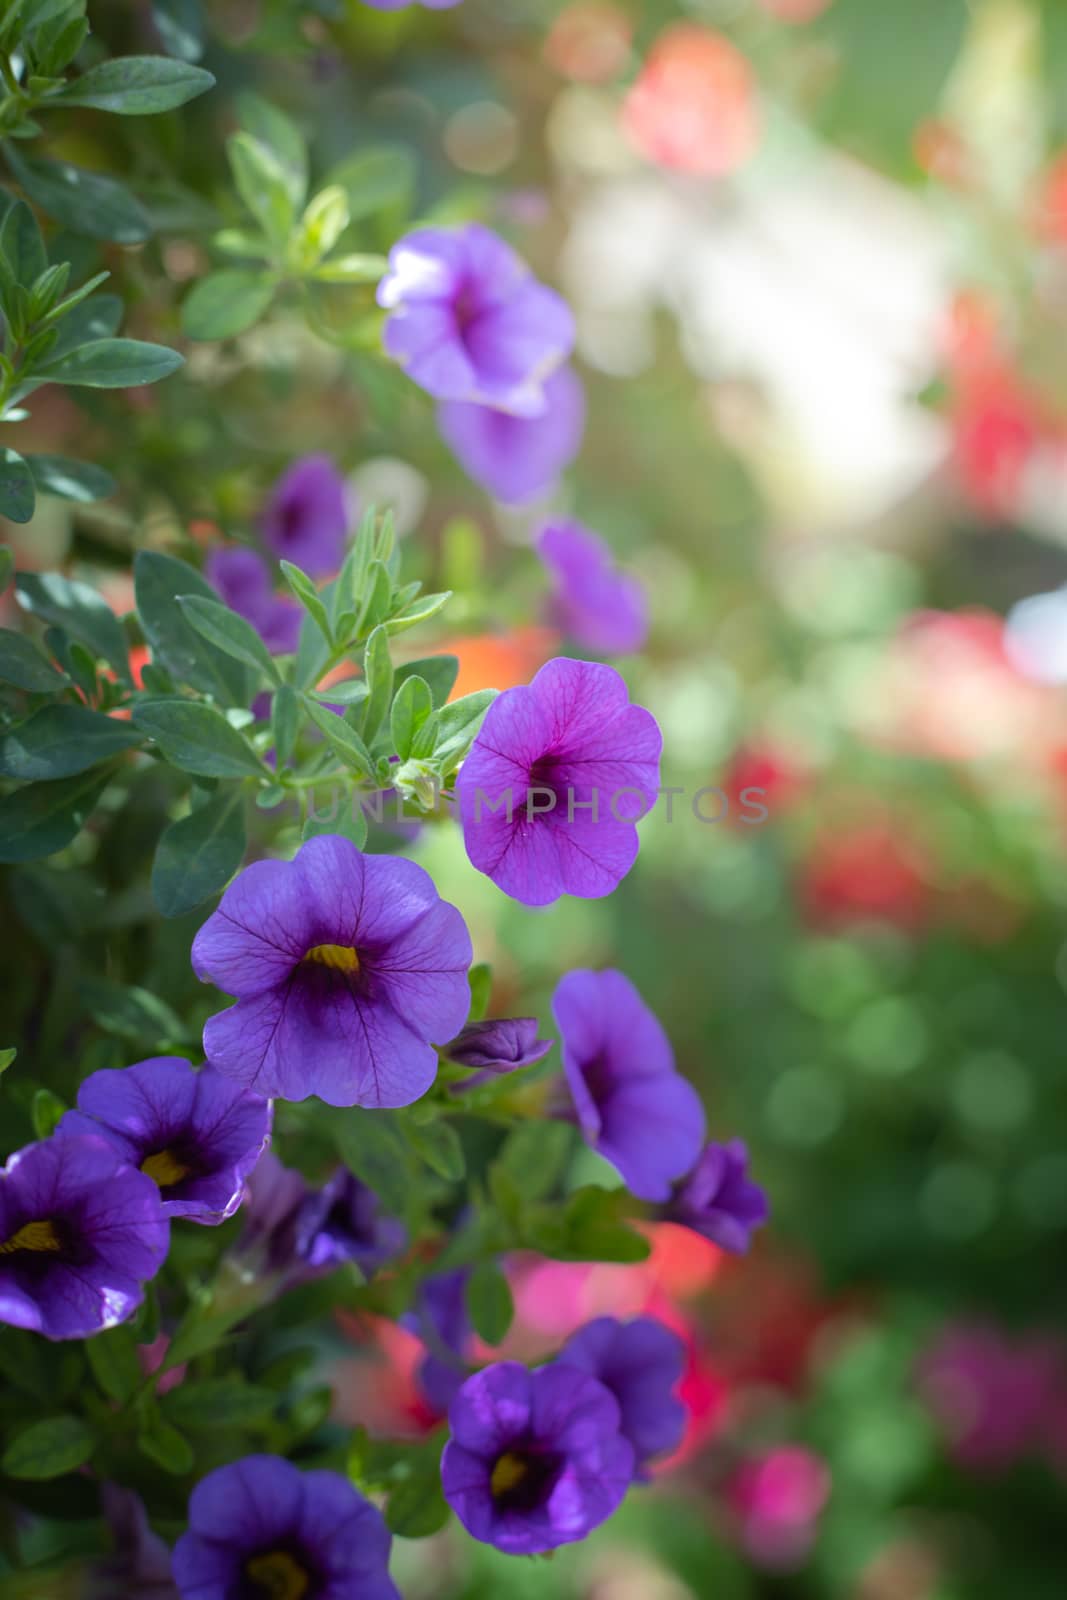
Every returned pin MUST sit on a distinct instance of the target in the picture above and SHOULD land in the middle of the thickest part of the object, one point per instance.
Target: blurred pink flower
(777, 1498)
(992, 1396)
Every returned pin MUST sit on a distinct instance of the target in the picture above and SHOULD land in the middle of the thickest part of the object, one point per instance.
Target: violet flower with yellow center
(347, 969)
(197, 1135)
(81, 1232)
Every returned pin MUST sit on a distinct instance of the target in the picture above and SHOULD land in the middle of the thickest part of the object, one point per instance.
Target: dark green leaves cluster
(54, 334)
(72, 722)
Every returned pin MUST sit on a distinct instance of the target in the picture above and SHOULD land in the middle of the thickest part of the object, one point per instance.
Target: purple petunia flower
(719, 1200)
(633, 1108)
(260, 1526)
(517, 458)
(441, 1321)
(496, 1046)
(344, 1221)
(305, 520)
(555, 781)
(641, 1362)
(599, 607)
(470, 322)
(81, 1232)
(139, 1566)
(241, 578)
(346, 967)
(536, 1459)
(195, 1134)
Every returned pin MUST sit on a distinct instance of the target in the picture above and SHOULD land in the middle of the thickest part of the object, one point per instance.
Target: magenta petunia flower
(81, 1232)
(241, 578)
(470, 322)
(633, 1108)
(496, 1046)
(347, 969)
(195, 1134)
(556, 779)
(641, 1363)
(594, 604)
(719, 1200)
(536, 1459)
(517, 458)
(261, 1527)
(305, 520)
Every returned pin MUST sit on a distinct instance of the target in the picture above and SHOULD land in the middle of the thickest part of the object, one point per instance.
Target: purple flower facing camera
(536, 1459)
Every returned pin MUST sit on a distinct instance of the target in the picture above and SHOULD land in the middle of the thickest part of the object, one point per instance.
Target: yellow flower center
(338, 957)
(32, 1236)
(164, 1168)
(278, 1576)
(508, 1473)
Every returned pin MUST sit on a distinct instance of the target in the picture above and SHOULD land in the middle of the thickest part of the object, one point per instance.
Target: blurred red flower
(693, 106)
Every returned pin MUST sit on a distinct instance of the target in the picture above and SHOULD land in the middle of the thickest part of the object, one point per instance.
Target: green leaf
(83, 201)
(163, 1444)
(96, 318)
(489, 1303)
(218, 1403)
(18, 497)
(196, 857)
(80, 611)
(418, 611)
(180, 25)
(351, 269)
(416, 1507)
(42, 818)
(58, 741)
(112, 1357)
(231, 633)
(80, 481)
(263, 184)
(112, 364)
(282, 137)
(535, 1155)
(379, 674)
(23, 664)
(197, 738)
(376, 179)
(343, 740)
(48, 1449)
(130, 1012)
(325, 219)
(226, 303)
(45, 1112)
(412, 706)
(286, 715)
(593, 1229)
(347, 819)
(137, 86)
(372, 1145)
(7, 566)
(440, 672)
(306, 592)
(377, 598)
(437, 1143)
(458, 724)
(480, 978)
(158, 582)
(21, 245)
(7, 1057)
